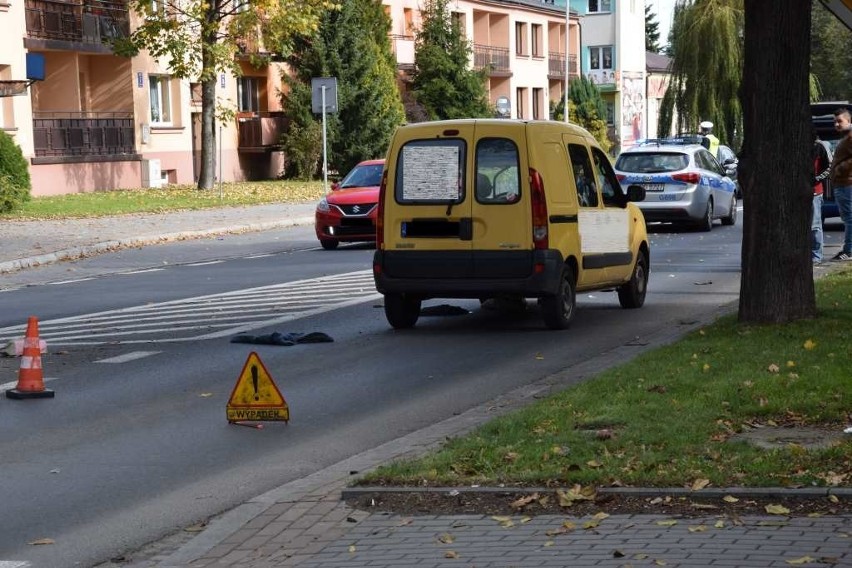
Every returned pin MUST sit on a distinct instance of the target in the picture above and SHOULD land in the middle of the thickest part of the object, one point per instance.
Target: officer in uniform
(710, 141)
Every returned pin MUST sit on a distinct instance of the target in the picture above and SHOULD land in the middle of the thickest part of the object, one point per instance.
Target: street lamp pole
(567, 46)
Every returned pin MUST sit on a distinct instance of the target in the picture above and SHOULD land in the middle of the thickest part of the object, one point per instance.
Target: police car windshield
(651, 162)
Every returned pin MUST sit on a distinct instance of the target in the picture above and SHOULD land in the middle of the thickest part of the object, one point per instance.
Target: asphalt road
(135, 445)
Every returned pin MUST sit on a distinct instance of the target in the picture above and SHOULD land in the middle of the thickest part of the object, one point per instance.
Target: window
(613, 195)
(431, 171)
(584, 176)
(521, 38)
(597, 6)
(521, 96)
(498, 178)
(537, 50)
(600, 57)
(537, 102)
(248, 94)
(160, 101)
(610, 113)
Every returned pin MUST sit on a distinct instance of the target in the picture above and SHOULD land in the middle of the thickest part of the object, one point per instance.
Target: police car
(683, 181)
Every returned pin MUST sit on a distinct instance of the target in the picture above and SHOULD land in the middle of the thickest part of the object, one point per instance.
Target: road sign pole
(324, 150)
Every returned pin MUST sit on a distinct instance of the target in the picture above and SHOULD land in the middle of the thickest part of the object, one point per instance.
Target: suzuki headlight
(322, 206)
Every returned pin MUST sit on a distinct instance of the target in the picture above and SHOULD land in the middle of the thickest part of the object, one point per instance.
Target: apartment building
(99, 121)
(612, 54)
(526, 45)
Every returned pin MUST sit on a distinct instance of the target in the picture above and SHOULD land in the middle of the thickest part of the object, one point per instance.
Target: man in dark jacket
(841, 179)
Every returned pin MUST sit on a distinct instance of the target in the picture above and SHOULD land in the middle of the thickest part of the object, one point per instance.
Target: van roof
(509, 122)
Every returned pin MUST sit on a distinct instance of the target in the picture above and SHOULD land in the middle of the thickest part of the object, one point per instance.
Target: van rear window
(431, 171)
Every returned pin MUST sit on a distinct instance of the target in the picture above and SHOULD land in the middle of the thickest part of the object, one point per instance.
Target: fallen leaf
(548, 543)
(42, 541)
(511, 456)
(539, 356)
(730, 499)
(451, 554)
(802, 560)
(809, 344)
(697, 528)
(525, 520)
(700, 484)
(600, 516)
(705, 368)
(720, 524)
(524, 501)
(704, 506)
(588, 525)
(773, 368)
(833, 499)
(206, 394)
(669, 523)
(576, 493)
(660, 562)
(351, 548)
(777, 510)
(594, 463)
(446, 538)
(791, 364)
(640, 556)
(196, 527)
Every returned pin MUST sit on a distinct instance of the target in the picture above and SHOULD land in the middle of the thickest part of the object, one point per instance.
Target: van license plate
(668, 197)
(657, 187)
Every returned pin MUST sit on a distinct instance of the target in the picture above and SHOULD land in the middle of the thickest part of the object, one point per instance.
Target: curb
(75, 253)
(743, 492)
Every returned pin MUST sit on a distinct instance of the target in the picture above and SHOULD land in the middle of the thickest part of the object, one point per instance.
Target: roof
(657, 62)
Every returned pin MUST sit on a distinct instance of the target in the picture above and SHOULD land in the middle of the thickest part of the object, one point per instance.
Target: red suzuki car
(348, 213)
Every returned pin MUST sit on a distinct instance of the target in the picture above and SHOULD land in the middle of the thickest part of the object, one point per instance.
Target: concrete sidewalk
(305, 523)
(26, 244)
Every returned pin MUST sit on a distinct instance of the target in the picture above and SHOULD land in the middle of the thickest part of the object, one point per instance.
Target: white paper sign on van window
(604, 231)
(430, 173)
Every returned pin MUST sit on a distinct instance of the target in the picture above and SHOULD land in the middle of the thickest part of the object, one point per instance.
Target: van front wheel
(632, 294)
(401, 310)
(558, 310)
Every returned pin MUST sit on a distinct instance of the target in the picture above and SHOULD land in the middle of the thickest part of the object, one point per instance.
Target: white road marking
(211, 316)
(132, 356)
(67, 282)
(145, 271)
(206, 263)
(13, 564)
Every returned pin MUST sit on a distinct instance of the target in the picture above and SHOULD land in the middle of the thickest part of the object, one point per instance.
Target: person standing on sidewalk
(822, 169)
(841, 179)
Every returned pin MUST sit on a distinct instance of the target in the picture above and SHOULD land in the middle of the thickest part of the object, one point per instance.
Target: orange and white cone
(30, 375)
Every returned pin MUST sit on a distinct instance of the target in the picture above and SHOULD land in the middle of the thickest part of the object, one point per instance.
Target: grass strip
(669, 417)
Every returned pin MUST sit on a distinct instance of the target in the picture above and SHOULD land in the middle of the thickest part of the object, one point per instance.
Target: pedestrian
(822, 168)
(841, 179)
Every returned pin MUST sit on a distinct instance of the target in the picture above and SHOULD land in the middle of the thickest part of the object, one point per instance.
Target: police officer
(710, 141)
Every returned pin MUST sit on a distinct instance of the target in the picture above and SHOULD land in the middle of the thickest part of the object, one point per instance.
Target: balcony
(556, 65)
(495, 59)
(260, 132)
(88, 23)
(81, 136)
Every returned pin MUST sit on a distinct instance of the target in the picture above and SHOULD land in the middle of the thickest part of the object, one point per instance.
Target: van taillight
(691, 177)
(380, 212)
(539, 210)
(620, 177)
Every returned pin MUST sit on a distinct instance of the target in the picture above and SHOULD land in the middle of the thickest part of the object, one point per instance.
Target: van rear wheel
(632, 294)
(401, 310)
(558, 310)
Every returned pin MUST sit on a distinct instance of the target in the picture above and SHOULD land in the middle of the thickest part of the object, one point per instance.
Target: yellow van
(495, 208)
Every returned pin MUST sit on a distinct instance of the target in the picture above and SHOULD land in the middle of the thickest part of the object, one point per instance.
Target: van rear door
(502, 225)
(427, 216)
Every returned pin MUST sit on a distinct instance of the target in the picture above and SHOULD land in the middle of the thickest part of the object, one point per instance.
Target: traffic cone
(30, 375)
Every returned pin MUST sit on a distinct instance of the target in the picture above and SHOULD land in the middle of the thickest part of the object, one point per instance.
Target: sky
(663, 9)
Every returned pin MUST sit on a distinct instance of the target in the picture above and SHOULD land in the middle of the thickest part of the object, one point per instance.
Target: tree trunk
(207, 175)
(776, 169)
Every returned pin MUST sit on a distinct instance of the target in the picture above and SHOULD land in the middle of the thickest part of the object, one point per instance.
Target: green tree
(706, 68)
(353, 45)
(443, 84)
(15, 181)
(652, 30)
(831, 55)
(586, 108)
(776, 168)
(199, 39)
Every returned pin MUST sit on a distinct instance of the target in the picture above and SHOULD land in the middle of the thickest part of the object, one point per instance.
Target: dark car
(348, 212)
(822, 118)
(729, 162)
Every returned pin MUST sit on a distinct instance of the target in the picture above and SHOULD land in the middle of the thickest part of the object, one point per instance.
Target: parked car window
(363, 176)
(584, 176)
(497, 171)
(652, 162)
(611, 191)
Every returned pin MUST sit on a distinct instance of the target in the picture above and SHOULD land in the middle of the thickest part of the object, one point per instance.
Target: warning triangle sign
(255, 396)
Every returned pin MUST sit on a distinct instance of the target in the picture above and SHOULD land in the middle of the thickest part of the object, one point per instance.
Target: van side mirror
(635, 193)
